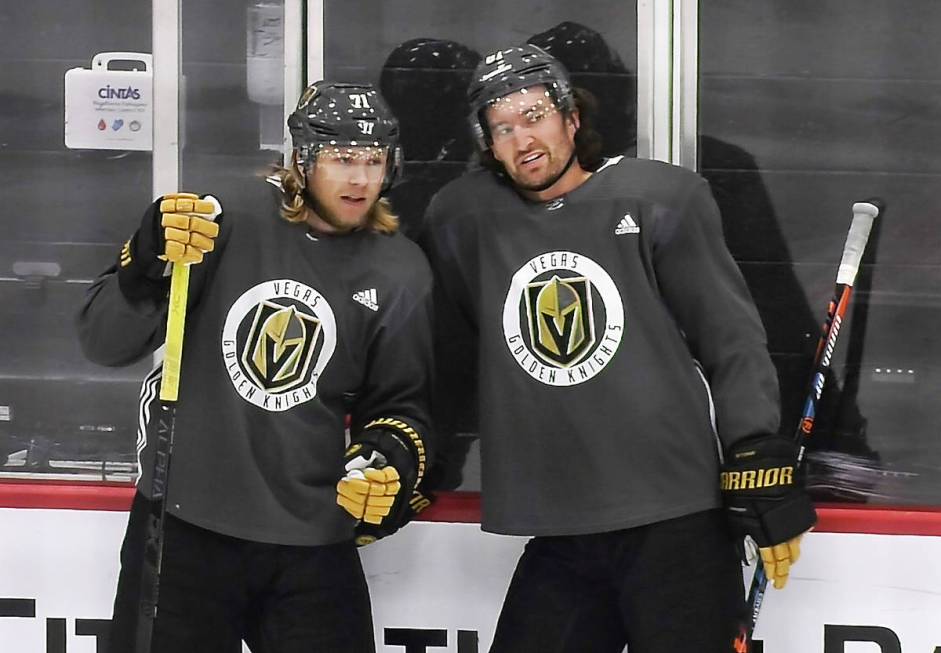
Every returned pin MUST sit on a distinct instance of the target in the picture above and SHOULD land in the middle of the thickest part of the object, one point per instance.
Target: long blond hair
(380, 218)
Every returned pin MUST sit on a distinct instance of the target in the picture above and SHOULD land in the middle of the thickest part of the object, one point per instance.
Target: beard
(329, 216)
(550, 178)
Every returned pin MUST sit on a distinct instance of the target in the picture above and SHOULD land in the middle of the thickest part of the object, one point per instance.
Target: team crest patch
(563, 318)
(277, 339)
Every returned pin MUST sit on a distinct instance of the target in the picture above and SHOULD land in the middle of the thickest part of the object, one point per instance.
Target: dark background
(805, 107)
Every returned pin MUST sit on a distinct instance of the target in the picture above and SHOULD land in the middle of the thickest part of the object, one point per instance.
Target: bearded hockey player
(622, 369)
(295, 322)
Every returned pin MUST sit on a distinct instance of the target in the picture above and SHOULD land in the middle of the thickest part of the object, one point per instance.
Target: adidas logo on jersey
(626, 226)
(367, 298)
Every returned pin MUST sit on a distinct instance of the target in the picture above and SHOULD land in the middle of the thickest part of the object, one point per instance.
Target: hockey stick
(163, 448)
(863, 215)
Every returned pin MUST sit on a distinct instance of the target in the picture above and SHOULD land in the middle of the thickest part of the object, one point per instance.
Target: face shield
(518, 113)
(348, 162)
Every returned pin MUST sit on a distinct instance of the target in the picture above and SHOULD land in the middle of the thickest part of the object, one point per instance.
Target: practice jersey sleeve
(398, 373)
(705, 292)
(448, 242)
(115, 330)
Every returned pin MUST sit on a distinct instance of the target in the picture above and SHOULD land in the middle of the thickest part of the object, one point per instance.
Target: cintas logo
(109, 93)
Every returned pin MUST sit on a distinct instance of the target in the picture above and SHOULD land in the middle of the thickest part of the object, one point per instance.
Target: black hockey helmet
(506, 71)
(333, 115)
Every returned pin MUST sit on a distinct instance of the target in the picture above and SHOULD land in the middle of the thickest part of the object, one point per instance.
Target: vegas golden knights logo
(563, 318)
(280, 347)
(561, 324)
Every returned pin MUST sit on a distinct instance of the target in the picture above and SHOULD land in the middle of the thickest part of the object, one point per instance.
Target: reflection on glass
(66, 213)
(799, 118)
(233, 114)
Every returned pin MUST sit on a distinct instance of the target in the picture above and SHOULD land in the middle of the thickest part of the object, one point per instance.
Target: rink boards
(437, 586)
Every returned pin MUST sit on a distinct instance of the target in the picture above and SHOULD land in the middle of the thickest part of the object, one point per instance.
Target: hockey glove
(367, 533)
(764, 497)
(383, 466)
(177, 228)
(370, 486)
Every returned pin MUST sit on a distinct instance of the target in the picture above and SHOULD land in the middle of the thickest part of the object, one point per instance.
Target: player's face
(531, 137)
(346, 182)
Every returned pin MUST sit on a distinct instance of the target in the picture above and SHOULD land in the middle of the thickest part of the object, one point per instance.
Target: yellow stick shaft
(176, 322)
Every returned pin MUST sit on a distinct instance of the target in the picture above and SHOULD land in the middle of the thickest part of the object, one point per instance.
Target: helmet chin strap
(555, 178)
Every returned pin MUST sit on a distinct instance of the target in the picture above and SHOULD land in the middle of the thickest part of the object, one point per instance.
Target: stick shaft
(864, 213)
(163, 448)
(176, 324)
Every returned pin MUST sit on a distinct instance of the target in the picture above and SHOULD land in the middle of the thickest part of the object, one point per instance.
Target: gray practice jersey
(286, 334)
(589, 311)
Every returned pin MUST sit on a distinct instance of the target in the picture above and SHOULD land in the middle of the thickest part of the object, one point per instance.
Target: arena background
(792, 110)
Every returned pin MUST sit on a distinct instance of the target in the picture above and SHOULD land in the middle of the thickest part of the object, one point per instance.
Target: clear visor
(522, 110)
(352, 163)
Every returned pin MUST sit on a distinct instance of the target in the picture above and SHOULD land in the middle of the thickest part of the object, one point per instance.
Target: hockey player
(622, 370)
(296, 322)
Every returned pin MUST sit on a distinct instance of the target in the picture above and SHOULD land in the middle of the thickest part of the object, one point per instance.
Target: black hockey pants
(217, 590)
(671, 587)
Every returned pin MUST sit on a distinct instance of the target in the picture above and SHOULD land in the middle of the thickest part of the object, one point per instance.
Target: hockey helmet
(507, 71)
(332, 115)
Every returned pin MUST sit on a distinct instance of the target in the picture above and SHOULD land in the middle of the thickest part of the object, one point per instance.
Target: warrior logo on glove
(757, 479)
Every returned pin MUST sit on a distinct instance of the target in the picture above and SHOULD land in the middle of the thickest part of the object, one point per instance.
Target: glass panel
(66, 213)
(804, 109)
(233, 94)
(421, 54)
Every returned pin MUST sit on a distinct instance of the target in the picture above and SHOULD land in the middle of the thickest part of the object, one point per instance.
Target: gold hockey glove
(188, 229)
(779, 559)
(384, 465)
(370, 486)
(175, 228)
(764, 497)
(368, 533)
